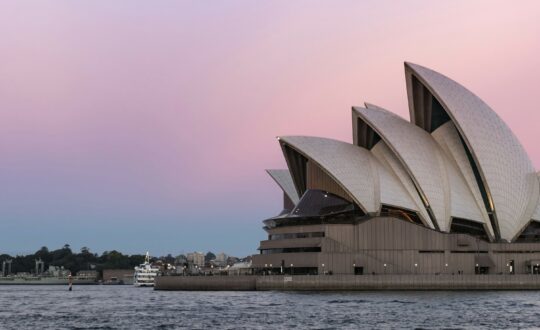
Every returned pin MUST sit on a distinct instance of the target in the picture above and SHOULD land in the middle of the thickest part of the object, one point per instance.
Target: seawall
(348, 282)
(206, 283)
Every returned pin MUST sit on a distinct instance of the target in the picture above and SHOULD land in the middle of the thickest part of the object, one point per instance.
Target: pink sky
(120, 114)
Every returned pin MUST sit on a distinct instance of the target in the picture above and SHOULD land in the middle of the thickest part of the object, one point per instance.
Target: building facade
(196, 259)
(451, 191)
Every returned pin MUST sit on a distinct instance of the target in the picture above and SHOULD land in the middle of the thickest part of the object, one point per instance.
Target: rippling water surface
(127, 307)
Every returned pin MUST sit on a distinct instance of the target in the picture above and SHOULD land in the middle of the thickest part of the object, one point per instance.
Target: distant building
(220, 260)
(181, 260)
(196, 258)
(232, 260)
(6, 267)
(221, 257)
(88, 274)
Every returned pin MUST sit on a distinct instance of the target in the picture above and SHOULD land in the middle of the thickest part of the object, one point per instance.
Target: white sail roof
(419, 155)
(353, 168)
(285, 182)
(505, 169)
(368, 181)
(406, 196)
(536, 215)
(448, 139)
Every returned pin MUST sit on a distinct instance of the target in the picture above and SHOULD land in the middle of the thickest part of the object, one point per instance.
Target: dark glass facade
(291, 250)
(295, 235)
(319, 203)
(531, 233)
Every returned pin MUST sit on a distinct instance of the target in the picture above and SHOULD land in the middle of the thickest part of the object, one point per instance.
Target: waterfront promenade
(348, 282)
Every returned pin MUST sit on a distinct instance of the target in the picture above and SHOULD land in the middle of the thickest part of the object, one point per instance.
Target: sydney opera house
(452, 191)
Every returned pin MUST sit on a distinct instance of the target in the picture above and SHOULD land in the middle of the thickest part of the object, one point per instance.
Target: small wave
(403, 302)
(528, 305)
(347, 301)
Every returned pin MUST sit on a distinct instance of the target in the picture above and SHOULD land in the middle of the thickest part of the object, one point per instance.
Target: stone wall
(206, 283)
(348, 282)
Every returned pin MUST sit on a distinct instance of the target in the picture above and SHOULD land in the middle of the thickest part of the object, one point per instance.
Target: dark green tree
(209, 256)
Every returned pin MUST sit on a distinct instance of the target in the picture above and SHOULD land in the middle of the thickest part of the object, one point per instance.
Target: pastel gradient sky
(144, 125)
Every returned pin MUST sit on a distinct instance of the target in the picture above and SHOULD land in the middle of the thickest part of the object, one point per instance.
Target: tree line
(84, 260)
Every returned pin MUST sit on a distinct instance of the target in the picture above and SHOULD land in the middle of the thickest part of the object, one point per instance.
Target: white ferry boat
(145, 273)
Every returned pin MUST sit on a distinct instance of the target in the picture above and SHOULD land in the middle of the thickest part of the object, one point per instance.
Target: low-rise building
(196, 258)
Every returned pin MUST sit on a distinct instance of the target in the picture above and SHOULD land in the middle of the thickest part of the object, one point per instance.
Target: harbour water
(128, 307)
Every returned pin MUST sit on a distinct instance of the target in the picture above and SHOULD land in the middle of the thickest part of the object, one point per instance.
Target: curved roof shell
(409, 197)
(284, 180)
(462, 202)
(505, 169)
(351, 167)
(367, 181)
(448, 139)
(419, 155)
(536, 215)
